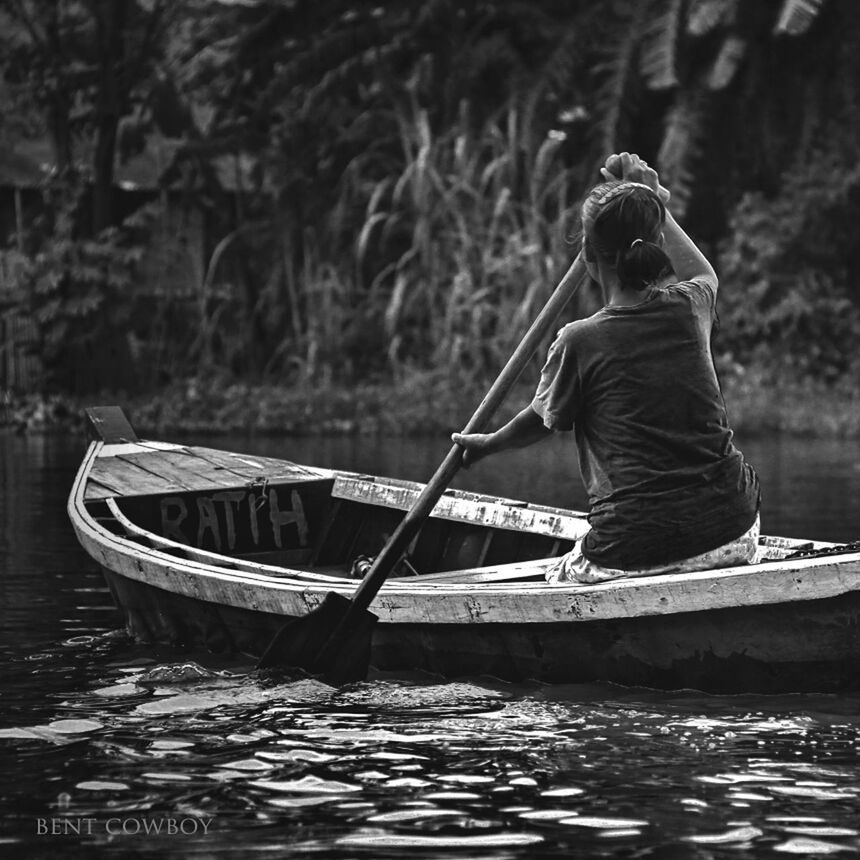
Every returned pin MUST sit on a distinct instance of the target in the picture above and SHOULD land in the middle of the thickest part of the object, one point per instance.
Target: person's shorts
(575, 567)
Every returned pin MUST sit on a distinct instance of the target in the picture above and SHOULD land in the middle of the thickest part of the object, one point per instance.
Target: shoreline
(420, 405)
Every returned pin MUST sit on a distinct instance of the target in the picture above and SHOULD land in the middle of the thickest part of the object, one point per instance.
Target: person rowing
(668, 489)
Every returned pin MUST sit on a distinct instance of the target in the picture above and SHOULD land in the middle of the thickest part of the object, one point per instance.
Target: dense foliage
(405, 173)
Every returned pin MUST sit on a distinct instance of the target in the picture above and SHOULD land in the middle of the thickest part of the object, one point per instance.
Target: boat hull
(798, 646)
(204, 548)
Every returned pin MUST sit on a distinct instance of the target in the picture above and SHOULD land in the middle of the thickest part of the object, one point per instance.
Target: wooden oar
(334, 639)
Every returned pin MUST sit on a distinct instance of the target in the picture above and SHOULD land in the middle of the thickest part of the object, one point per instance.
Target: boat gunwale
(311, 587)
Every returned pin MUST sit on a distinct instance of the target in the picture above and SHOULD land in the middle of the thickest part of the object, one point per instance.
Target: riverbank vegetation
(425, 404)
(346, 216)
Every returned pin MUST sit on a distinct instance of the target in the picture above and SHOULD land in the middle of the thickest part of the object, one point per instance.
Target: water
(111, 748)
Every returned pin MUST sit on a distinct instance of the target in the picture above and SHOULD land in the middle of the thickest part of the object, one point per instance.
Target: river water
(117, 749)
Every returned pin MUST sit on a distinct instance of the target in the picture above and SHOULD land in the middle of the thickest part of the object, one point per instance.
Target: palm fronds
(620, 79)
(728, 61)
(682, 139)
(797, 16)
(705, 16)
(658, 60)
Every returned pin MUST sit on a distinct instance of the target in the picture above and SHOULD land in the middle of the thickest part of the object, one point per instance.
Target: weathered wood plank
(518, 570)
(96, 491)
(187, 470)
(776, 548)
(497, 513)
(139, 447)
(253, 466)
(223, 463)
(159, 466)
(298, 558)
(786, 542)
(110, 424)
(126, 479)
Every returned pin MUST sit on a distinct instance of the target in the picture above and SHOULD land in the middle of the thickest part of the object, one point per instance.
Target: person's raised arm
(687, 260)
(525, 428)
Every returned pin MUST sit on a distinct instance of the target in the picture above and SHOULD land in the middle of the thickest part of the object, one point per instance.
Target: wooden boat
(206, 547)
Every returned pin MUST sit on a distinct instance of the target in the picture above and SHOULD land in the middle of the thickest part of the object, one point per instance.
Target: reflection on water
(126, 749)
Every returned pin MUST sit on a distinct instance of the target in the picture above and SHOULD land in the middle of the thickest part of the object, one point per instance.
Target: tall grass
(466, 240)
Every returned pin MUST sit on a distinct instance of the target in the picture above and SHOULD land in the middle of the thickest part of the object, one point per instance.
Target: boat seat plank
(95, 491)
(179, 476)
(465, 507)
(99, 489)
(183, 467)
(251, 466)
(224, 464)
(127, 479)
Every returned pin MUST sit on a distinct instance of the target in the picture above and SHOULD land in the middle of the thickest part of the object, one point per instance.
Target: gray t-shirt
(638, 385)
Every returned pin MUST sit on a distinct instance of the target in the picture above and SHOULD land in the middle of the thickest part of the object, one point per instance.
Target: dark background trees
(390, 189)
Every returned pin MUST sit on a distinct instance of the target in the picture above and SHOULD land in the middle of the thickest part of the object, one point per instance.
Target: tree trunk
(61, 133)
(59, 104)
(110, 22)
(103, 173)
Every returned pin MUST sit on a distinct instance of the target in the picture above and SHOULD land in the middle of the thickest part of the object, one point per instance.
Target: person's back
(664, 479)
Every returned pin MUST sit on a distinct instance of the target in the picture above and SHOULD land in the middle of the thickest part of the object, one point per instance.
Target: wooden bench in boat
(463, 506)
(153, 468)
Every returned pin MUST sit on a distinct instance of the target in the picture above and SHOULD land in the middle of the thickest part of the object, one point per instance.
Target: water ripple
(451, 768)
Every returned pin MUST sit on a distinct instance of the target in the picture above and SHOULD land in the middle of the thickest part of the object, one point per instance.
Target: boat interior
(274, 517)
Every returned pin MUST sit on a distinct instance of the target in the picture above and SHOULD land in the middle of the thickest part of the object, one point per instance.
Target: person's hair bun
(641, 264)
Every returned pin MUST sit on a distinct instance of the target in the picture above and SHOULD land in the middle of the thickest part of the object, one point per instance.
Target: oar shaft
(411, 523)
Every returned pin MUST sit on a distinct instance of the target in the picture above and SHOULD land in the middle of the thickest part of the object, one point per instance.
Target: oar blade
(324, 642)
